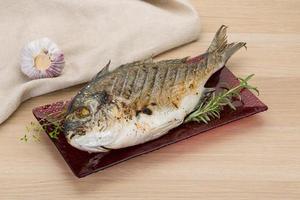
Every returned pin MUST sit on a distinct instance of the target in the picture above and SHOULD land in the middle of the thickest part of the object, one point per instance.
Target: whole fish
(143, 100)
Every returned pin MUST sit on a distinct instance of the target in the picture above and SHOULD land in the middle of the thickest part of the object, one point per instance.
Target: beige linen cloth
(90, 33)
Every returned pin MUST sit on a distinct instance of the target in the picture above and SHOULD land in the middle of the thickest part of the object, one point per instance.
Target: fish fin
(146, 60)
(219, 41)
(206, 93)
(208, 90)
(232, 48)
(183, 60)
(102, 72)
(220, 51)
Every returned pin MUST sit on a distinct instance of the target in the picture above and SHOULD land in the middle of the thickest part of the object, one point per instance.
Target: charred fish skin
(143, 100)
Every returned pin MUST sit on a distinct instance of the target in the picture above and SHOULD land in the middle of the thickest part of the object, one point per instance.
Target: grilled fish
(143, 100)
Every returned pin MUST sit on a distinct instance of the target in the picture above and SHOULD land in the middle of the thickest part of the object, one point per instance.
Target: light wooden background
(255, 158)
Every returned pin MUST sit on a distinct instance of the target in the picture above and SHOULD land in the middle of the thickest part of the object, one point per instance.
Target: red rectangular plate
(83, 163)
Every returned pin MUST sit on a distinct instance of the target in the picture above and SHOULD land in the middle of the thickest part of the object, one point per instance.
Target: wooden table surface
(254, 158)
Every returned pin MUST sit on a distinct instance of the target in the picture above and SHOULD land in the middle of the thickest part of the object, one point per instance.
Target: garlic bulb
(42, 59)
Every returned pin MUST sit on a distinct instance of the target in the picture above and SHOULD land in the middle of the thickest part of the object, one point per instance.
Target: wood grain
(255, 158)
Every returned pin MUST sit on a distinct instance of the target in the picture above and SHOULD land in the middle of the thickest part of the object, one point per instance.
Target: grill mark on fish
(182, 72)
(119, 84)
(191, 73)
(134, 82)
(138, 87)
(164, 80)
(185, 74)
(187, 77)
(170, 79)
(177, 74)
(113, 85)
(179, 84)
(148, 85)
(157, 87)
(125, 82)
(129, 84)
(199, 66)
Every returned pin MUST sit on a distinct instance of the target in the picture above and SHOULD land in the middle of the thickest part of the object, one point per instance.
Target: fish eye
(82, 112)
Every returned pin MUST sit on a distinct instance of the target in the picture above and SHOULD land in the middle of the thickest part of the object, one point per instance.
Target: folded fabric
(90, 33)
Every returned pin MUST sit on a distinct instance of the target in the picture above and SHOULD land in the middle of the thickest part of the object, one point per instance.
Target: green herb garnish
(24, 138)
(52, 122)
(34, 129)
(211, 107)
(56, 129)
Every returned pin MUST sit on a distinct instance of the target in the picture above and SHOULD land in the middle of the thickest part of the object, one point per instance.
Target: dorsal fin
(185, 59)
(148, 60)
(102, 72)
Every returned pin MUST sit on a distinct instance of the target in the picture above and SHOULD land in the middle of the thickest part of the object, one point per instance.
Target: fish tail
(220, 51)
(232, 48)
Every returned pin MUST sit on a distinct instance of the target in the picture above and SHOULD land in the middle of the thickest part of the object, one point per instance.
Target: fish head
(85, 121)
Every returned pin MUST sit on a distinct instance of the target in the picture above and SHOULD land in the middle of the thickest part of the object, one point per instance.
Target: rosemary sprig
(211, 106)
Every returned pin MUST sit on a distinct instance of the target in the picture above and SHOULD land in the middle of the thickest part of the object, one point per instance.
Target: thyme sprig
(52, 123)
(213, 104)
(34, 130)
(24, 138)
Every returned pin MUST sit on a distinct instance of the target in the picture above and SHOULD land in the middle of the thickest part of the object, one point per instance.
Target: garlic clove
(42, 59)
